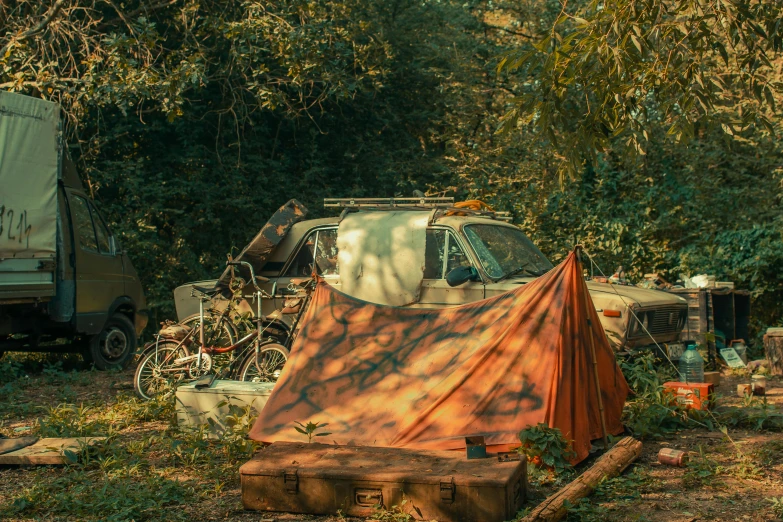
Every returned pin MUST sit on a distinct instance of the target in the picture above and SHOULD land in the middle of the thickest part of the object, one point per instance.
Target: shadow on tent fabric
(425, 379)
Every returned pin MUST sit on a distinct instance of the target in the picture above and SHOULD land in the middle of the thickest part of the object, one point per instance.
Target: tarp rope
(628, 307)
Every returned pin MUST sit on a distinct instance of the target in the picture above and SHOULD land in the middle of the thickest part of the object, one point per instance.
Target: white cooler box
(197, 407)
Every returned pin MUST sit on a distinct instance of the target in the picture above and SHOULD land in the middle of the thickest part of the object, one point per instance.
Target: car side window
(455, 256)
(101, 231)
(442, 254)
(326, 253)
(83, 224)
(319, 249)
(433, 254)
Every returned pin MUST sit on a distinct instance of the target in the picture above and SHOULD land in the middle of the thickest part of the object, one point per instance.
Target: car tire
(115, 346)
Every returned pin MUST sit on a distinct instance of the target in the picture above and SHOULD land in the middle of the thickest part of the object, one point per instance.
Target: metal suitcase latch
(368, 497)
(291, 481)
(447, 490)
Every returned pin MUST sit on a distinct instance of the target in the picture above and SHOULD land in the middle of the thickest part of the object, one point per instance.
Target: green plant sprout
(310, 429)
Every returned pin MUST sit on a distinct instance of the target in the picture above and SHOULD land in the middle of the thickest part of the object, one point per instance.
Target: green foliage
(649, 413)
(701, 470)
(399, 513)
(615, 69)
(310, 429)
(192, 122)
(546, 446)
(147, 475)
(611, 494)
(777, 506)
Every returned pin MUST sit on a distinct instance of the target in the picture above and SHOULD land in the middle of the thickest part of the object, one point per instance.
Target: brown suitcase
(436, 485)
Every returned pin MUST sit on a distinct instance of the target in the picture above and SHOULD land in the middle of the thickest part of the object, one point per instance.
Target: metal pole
(588, 304)
(200, 333)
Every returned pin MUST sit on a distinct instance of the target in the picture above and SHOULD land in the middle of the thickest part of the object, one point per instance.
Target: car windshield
(504, 251)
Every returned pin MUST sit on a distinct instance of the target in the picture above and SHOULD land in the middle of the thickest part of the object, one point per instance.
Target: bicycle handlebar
(253, 277)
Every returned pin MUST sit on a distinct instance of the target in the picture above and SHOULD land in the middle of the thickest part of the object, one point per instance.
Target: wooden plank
(9, 445)
(48, 451)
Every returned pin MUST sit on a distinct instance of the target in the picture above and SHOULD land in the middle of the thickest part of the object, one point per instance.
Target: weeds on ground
(777, 506)
(545, 446)
(394, 514)
(651, 413)
(701, 470)
(146, 475)
(611, 494)
(770, 453)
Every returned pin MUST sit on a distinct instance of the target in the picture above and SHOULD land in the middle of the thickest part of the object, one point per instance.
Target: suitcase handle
(368, 497)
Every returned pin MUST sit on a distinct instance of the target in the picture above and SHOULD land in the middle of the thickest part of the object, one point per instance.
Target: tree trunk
(773, 349)
(610, 464)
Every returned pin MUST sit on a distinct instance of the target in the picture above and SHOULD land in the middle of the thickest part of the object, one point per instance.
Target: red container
(673, 457)
(693, 395)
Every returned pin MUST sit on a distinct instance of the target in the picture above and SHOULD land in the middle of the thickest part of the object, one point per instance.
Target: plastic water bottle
(691, 366)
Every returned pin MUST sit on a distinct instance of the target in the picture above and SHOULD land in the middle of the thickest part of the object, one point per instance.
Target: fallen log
(610, 464)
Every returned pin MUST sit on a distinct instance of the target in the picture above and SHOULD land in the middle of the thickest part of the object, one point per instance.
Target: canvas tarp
(381, 255)
(425, 379)
(29, 167)
(257, 251)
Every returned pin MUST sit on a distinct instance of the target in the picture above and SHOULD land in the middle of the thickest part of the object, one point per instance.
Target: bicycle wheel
(156, 373)
(219, 331)
(266, 366)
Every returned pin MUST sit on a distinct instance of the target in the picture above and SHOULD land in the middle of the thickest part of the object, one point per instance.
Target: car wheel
(115, 346)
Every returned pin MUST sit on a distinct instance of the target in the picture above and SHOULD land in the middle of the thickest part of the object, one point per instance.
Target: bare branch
(516, 33)
(37, 29)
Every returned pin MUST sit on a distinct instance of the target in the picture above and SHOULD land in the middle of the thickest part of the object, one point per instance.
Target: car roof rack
(441, 207)
(423, 202)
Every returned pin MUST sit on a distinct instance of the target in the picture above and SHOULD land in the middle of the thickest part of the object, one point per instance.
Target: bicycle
(262, 369)
(167, 362)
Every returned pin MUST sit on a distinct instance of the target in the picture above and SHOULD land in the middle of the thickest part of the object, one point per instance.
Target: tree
(614, 69)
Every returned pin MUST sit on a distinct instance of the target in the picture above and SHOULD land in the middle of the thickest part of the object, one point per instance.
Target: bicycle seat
(210, 292)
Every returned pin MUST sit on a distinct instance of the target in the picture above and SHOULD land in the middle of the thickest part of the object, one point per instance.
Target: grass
(148, 469)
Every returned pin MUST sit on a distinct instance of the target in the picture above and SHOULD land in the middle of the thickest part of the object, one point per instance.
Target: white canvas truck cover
(381, 255)
(29, 165)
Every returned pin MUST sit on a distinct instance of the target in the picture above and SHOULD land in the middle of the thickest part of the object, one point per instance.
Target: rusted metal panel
(270, 235)
(435, 485)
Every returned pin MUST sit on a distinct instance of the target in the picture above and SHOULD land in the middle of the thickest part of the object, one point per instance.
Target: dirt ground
(730, 481)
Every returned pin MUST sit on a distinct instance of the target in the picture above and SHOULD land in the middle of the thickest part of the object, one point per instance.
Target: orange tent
(426, 379)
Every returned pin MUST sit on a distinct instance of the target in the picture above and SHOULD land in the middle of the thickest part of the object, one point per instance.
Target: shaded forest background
(193, 120)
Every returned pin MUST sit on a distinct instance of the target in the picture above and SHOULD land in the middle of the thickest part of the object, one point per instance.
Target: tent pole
(597, 383)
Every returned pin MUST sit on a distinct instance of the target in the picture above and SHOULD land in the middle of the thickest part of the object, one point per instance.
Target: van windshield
(505, 251)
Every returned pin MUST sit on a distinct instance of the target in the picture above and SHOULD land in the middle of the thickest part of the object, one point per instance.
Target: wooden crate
(710, 309)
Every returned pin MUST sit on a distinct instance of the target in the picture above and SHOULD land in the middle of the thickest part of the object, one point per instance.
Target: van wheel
(115, 346)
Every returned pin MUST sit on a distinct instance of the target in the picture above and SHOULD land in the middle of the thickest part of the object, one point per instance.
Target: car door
(99, 270)
(319, 249)
(445, 252)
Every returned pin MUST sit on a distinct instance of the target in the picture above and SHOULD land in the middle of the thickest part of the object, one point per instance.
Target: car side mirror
(461, 275)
